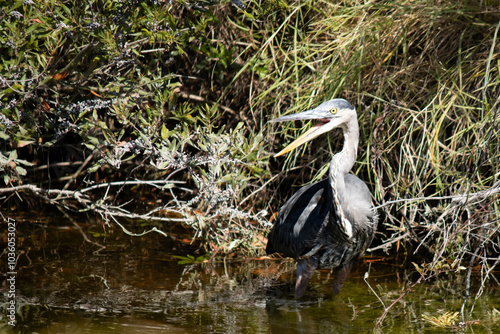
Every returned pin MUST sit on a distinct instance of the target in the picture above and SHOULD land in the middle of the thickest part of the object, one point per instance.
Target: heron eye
(333, 111)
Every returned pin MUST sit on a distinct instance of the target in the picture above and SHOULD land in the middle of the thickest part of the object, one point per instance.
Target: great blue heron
(327, 224)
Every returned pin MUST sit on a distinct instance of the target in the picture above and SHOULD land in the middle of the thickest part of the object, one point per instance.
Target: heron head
(331, 114)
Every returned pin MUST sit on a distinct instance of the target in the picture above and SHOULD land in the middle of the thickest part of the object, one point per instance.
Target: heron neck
(343, 161)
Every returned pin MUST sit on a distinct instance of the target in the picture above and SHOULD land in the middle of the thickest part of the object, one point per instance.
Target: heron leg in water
(341, 274)
(305, 271)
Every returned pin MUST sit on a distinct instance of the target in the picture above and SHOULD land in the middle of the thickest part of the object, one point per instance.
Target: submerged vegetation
(167, 101)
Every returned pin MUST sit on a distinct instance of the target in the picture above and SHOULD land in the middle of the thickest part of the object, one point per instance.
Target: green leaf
(4, 136)
(190, 259)
(164, 132)
(24, 162)
(13, 155)
(66, 9)
(20, 170)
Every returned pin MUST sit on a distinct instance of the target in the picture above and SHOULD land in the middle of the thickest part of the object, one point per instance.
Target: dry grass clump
(445, 320)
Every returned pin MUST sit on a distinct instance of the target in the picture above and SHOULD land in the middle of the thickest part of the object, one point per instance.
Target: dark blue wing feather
(310, 218)
(301, 220)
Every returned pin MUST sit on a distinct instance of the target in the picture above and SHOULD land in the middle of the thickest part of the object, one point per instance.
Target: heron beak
(310, 134)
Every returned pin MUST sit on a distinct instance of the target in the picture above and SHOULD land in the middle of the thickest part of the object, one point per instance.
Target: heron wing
(356, 202)
(300, 221)
(310, 218)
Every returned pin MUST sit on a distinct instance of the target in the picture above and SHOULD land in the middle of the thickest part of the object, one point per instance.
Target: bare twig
(460, 198)
(154, 229)
(101, 247)
(77, 173)
(385, 245)
(97, 206)
(376, 295)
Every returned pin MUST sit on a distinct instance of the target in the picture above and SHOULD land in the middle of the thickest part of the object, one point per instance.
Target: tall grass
(424, 76)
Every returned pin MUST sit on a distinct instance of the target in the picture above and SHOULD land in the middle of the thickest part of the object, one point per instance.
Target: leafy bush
(118, 89)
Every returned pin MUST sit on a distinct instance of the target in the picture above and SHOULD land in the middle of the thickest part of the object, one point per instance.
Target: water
(64, 284)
